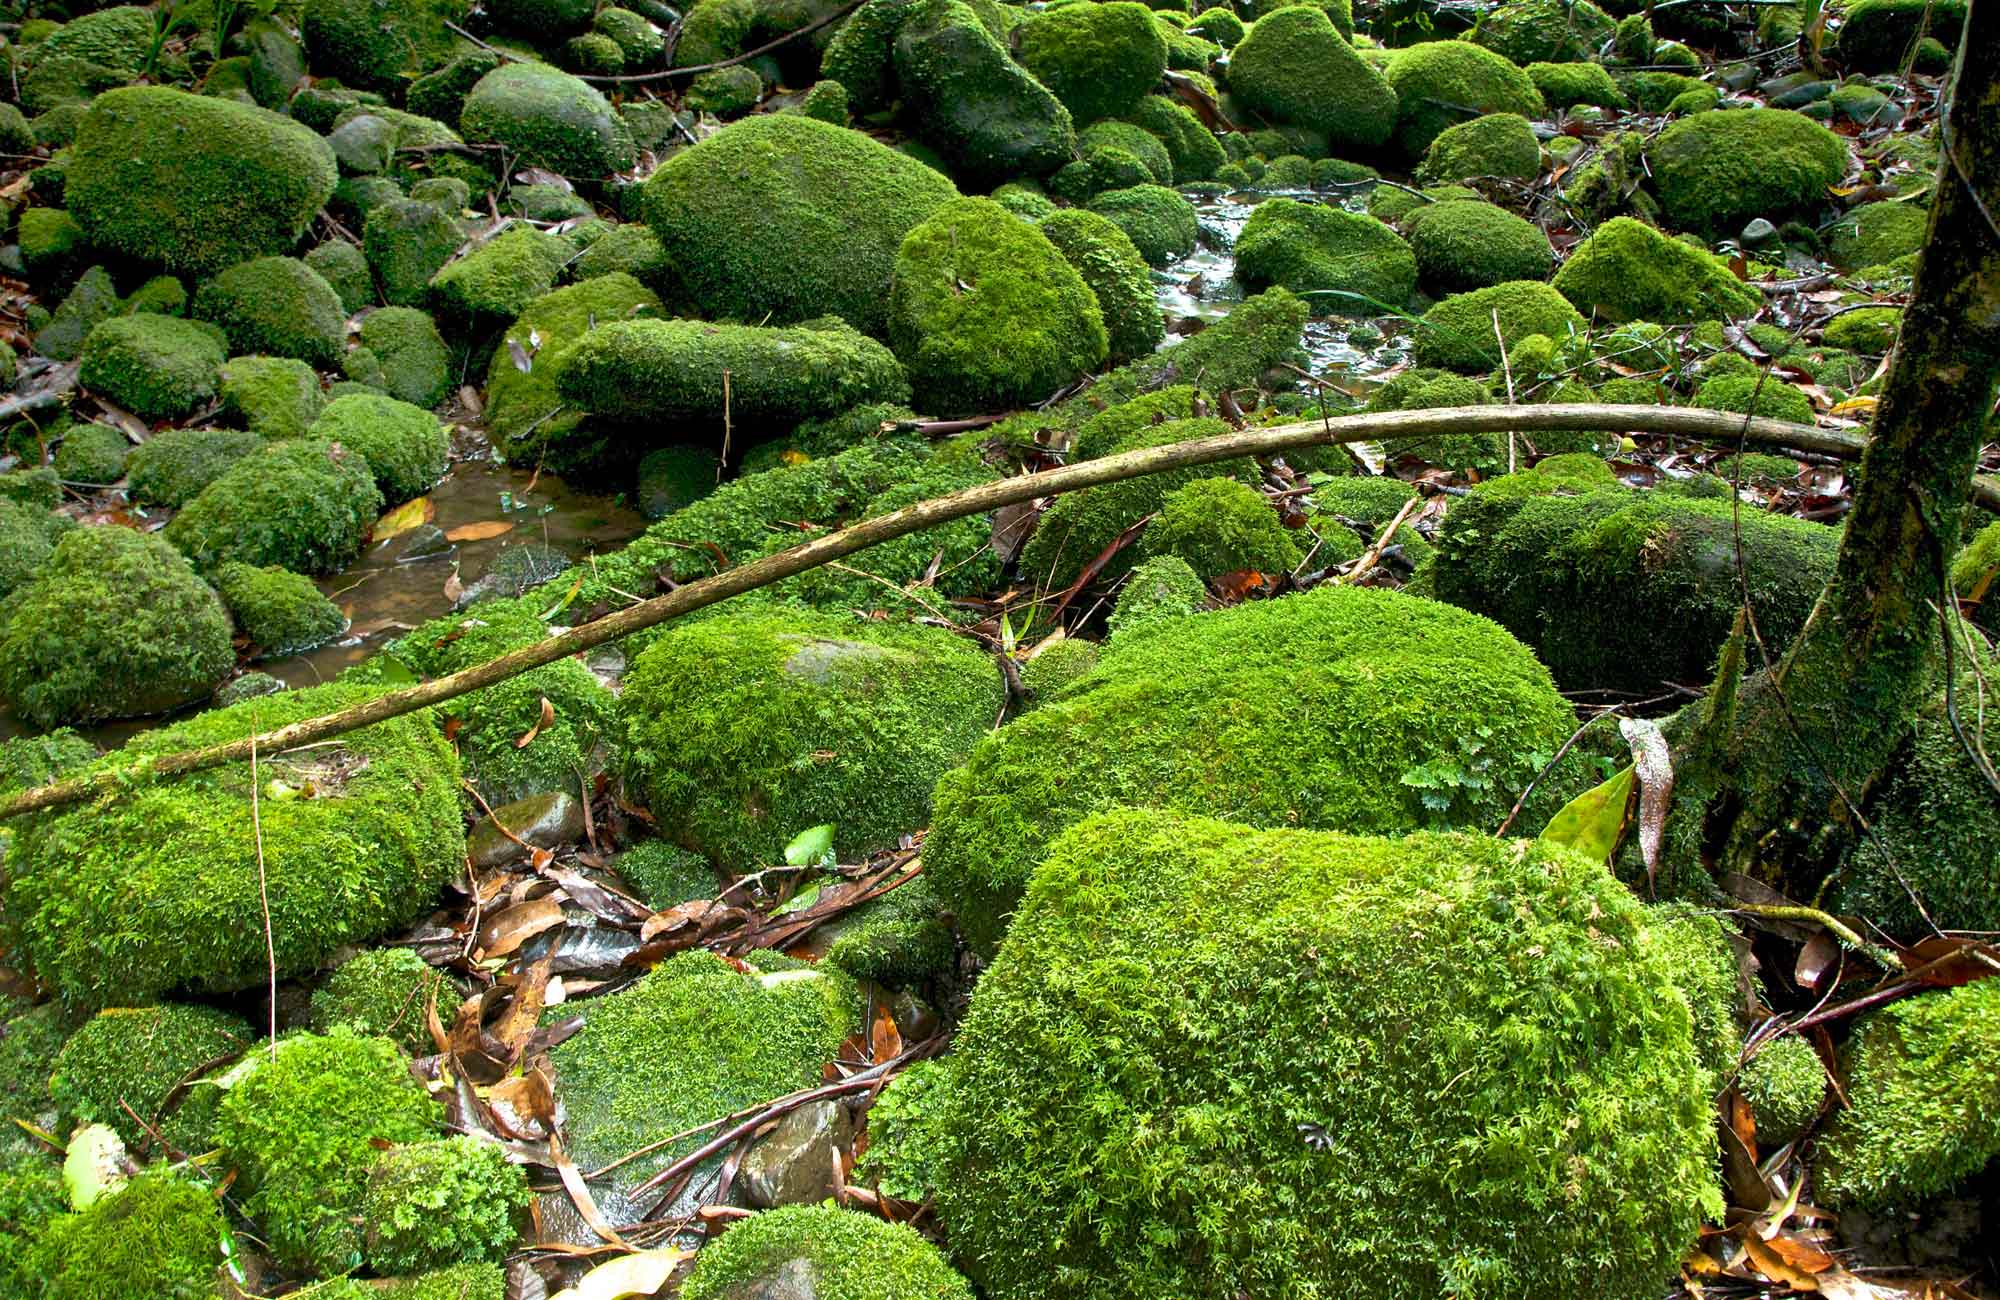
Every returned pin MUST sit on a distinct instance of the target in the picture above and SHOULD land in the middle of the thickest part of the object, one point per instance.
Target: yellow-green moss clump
(785, 217)
(1297, 67)
(1457, 334)
(1507, 1104)
(432, 1204)
(987, 314)
(1628, 271)
(1346, 708)
(1439, 82)
(726, 720)
(1159, 221)
(280, 611)
(1784, 1084)
(1923, 1101)
(140, 1057)
(404, 445)
(851, 1257)
(1343, 261)
(192, 182)
(305, 505)
(968, 99)
(1098, 59)
(277, 306)
(524, 411)
(157, 367)
(1876, 234)
(384, 992)
(1623, 591)
(156, 889)
(1714, 171)
(547, 118)
(114, 625)
(1497, 144)
(1111, 265)
(900, 939)
(274, 396)
(1164, 587)
(1465, 244)
(28, 536)
(158, 1237)
(1219, 526)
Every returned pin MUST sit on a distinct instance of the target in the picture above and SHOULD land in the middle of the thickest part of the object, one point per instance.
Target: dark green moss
(1565, 85)
(92, 455)
(279, 306)
(412, 363)
(1539, 31)
(663, 874)
(379, 44)
(28, 536)
(1160, 222)
(1191, 147)
(274, 396)
(1877, 35)
(172, 466)
(407, 242)
(524, 411)
(303, 504)
(971, 101)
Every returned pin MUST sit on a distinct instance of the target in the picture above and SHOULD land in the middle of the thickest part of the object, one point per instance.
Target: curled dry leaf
(548, 719)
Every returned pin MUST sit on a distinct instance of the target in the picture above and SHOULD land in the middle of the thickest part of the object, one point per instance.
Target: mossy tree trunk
(1813, 732)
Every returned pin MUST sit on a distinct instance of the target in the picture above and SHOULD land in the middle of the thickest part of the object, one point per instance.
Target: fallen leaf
(1857, 406)
(508, 929)
(1594, 821)
(1769, 1261)
(478, 532)
(548, 719)
(411, 514)
(95, 1164)
(1654, 768)
(885, 1043)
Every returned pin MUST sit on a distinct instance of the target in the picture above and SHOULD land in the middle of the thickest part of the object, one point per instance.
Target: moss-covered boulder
(1784, 1084)
(1923, 1098)
(403, 354)
(451, 1202)
(497, 280)
(157, 367)
(1628, 271)
(1496, 144)
(1513, 1097)
(1441, 83)
(1160, 222)
(1458, 333)
(406, 243)
(141, 1058)
(1871, 330)
(781, 218)
(405, 446)
(277, 397)
(379, 44)
(1466, 244)
(971, 101)
(172, 467)
(1878, 233)
(1878, 35)
(1566, 85)
(303, 504)
(1111, 265)
(525, 412)
(1344, 261)
(1543, 31)
(1623, 592)
(890, 708)
(1097, 58)
(92, 455)
(383, 993)
(156, 888)
(545, 117)
(644, 371)
(1715, 171)
(849, 1256)
(1219, 526)
(114, 625)
(281, 612)
(1346, 708)
(28, 536)
(986, 312)
(277, 306)
(1295, 66)
(192, 182)
(158, 1237)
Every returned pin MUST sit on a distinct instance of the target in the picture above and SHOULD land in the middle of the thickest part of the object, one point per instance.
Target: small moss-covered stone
(1219, 526)
(1627, 271)
(826, 101)
(430, 1204)
(1441, 83)
(193, 183)
(89, 303)
(405, 446)
(1872, 330)
(1358, 264)
(92, 455)
(986, 312)
(158, 1237)
(383, 993)
(1097, 58)
(497, 280)
(1111, 265)
(115, 625)
(345, 268)
(784, 218)
(849, 1256)
(274, 396)
(414, 363)
(157, 367)
(1465, 244)
(1191, 146)
(1458, 333)
(303, 504)
(547, 118)
(1295, 66)
(53, 245)
(28, 536)
(138, 1057)
(1755, 394)
(277, 306)
(663, 873)
(1220, 25)
(1544, 31)
(525, 413)
(1784, 1084)
(1160, 222)
(280, 611)
(1877, 233)
(1715, 171)
(379, 44)
(172, 466)
(1565, 85)
(407, 242)
(726, 92)
(1498, 144)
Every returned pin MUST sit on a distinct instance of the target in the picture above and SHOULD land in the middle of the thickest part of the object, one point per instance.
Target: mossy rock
(972, 102)
(54, 247)
(1055, 664)
(303, 504)
(379, 44)
(280, 611)
(1297, 67)
(404, 355)
(193, 183)
(987, 313)
(157, 367)
(155, 1238)
(140, 1057)
(525, 412)
(405, 446)
(1628, 271)
(1220, 526)
(1458, 333)
(1465, 244)
(89, 303)
(277, 306)
(1414, 716)
(1129, 140)
(1566, 85)
(1160, 222)
(849, 1256)
(277, 397)
(1191, 147)
(173, 466)
(383, 993)
(783, 218)
(663, 874)
(92, 455)
(547, 118)
(1755, 394)
(1097, 58)
(1112, 267)
(1544, 31)
(114, 625)
(1497, 144)
(1386, 1060)
(32, 1198)
(632, 249)
(1877, 35)
(407, 242)
(28, 537)
(1442, 83)
(893, 707)
(1872, 330)
(497, 280)
(1784, 1084)
(1623, 593)
(1715, 171)
(1878, 233)
(430, 1204)
(1343, 261)
(119, 37)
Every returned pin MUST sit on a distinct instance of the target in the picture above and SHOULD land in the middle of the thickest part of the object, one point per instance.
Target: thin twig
(630, 78)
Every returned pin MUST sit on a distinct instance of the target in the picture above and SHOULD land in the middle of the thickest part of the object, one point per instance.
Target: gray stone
(424, 542)
(821, 659)
(1759, 233)
(514, 571)
(793, 1165)
(543, 821)
(1798, 96)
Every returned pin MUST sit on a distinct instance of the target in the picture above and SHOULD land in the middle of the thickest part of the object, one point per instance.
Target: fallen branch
(1672, 421)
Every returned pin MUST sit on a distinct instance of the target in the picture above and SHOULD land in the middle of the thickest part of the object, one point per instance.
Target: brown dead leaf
(508, 929)
(548, 719)
(478, 532)
(885, 1043)
(1771, 1261)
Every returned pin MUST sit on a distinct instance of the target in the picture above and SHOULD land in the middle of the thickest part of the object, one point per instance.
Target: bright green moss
(641, 43)
(459, 1282)
(662, 873)
(692, 1041)
(1625, 593)
(156, 1238)
(1458, 333)
(1700, 99)
(547, 118)
(1924, 1101)
(497, 280)
(826, 101)
(31, 1197)
(1497, 144)
(1353, 262)
(1757, 394)
(1113, 426)
(1627, 271)
(1371, 501)
(1872, 330)
(849, 1257)
(413, 364)
(632, 249)
(1219, 526)
(29, 1045)
(406, 448)
(1714, 171)
(1296, 67)
(1702, 962)
(407, 242)
(524, 411)
(278, 306)
(139, 1057)
(28, 536)
(1465, 244)
(384, 993)
(726, 92)
(157, 889)
(1097, 58)
(787, 218)
(430, 1204)
(1542, 31)
(1136, 141)
(1393, 204)
(303, 504)
(379, 44)
(1565, 85)
(986, 312)
(301, 1129)
(1441, 83)
(157, 367)
(972, 102)
(1111, 266)
(1633, 41)
(1160, 222)
(117, 38)
(53, 245)
(92, 455)
(281, 612)
(115, 625)
(1974, 573)
(1425, 389)
(274, 396)
(1518, 1085)
(1877, 233)
(1055, 664)
(193, 183)
(1784, 1084)
(1347, 707)
(163, 295)
(1220, 25)
(717, 713)
(1191, 147)
(897, 941)
(171, 467)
